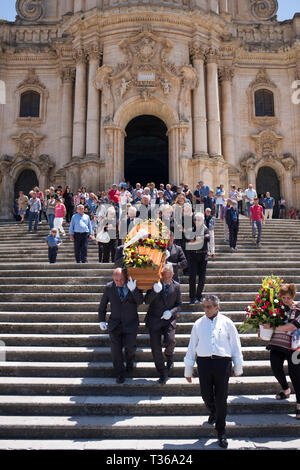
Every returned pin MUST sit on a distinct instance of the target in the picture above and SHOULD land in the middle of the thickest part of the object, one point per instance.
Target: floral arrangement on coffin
(266, 308)
(145, 247)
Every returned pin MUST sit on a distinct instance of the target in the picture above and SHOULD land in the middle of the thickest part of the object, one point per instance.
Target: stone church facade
(95, 87)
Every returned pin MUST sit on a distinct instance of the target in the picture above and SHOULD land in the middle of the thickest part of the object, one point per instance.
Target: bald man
(122, 326)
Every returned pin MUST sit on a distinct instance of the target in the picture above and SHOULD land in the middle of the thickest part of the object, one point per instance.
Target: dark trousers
(118, 341)
(213, 378)
(81, 241)
(169, 343)
(52, 253)
(69, 213)
(100, 251)
(240, 207)
(109, 249)
(277, 359)
(197, 266)
(233, 234)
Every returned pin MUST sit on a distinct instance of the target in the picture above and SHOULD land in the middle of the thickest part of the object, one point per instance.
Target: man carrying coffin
(122, 326)
(164, 303)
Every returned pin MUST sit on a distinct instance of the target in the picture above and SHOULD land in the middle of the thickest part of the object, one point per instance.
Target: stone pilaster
(213, 104)
(67, 76)
(226, 75)
(93, 103)
(197, 53)
(79, 105)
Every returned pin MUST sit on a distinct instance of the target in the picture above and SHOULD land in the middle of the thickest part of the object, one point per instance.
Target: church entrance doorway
(26, 181)
(267, 181)
(146, 151)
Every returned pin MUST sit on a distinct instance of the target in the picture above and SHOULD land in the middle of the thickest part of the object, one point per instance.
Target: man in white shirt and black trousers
(215, 343)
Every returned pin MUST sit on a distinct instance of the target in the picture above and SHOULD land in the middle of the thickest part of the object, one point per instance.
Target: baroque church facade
(150, 90)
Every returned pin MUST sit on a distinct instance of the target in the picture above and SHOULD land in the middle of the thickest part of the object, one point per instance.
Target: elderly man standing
(124, 298)
(164, 303)
(215, 342)
(80, 232)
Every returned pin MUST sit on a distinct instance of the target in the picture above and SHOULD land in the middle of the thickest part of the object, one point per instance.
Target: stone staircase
(57, 387)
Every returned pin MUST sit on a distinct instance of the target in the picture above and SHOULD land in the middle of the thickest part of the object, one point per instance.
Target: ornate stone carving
(264, 9)
(28, 143)
(262, 79)
(288, 161)
(103, 82)
(197, 50)
(30, 10)
(188, 82)
(79, 56)
(212, 56)
(267, 144)
(94, 51)
(67, 74)
(226, 74)
(31, 80)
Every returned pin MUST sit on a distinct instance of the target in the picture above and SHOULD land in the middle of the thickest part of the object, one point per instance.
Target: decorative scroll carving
(30, 10)
(31, 80)
(264, 9)
(103, 82)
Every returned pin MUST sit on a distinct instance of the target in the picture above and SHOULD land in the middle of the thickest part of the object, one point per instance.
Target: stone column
(114, 158)
(79, 105)
(93, 105)
(226, 76)
(199, 101)
(213, 105)
(67, 77)
(223, 6)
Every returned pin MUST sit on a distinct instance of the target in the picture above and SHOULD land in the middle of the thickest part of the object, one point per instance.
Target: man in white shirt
(215, 343)
(250, 194)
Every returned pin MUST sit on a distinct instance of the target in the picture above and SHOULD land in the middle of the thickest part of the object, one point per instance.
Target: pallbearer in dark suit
(123, 322)
(176, 257)
(164, 303)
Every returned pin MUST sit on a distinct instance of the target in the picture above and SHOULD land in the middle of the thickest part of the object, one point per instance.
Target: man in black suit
(123, 322)
(176, 257)
(164, 303)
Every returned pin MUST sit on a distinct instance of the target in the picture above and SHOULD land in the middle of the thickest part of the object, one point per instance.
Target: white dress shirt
(214, 337)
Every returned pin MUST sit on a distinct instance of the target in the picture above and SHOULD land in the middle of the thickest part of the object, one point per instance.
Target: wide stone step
(39, 353)
(82, 340)
(138, 405)
(105, 369)
(49, 427)
(107, 386)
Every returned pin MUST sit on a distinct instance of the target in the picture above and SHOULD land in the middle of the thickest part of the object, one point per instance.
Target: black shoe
(170, 363)
(199, 299)
(211, 419)
(162, 380)
(120, 379)
(222, 441)
(193, 301)
(130, 366)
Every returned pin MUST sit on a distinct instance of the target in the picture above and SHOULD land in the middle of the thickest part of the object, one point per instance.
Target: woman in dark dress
(69, 203)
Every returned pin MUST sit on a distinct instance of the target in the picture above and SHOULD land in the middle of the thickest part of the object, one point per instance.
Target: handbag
(103, 236)
(295, 343)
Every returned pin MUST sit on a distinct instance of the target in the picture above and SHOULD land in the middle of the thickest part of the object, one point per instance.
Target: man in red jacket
(256, 219)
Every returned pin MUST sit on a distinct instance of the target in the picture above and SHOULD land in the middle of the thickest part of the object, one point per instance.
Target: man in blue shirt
(204, 190)
(34, 210)
(268, 203)
(80, 232)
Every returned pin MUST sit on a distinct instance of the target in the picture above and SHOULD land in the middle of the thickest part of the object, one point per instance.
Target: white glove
(167, 254)
(103, 326)
(166, 315)
(131, 284)
(157, 287)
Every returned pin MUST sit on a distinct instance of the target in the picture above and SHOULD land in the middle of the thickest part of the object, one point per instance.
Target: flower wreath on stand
(266, 308)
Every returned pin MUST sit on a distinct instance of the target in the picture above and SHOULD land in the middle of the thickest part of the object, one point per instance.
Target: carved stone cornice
(31, 80)
(262, 79)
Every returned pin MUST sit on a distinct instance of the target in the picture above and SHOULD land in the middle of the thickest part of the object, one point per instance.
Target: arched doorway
(146, 154)
(25, 182)
(267, 181)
